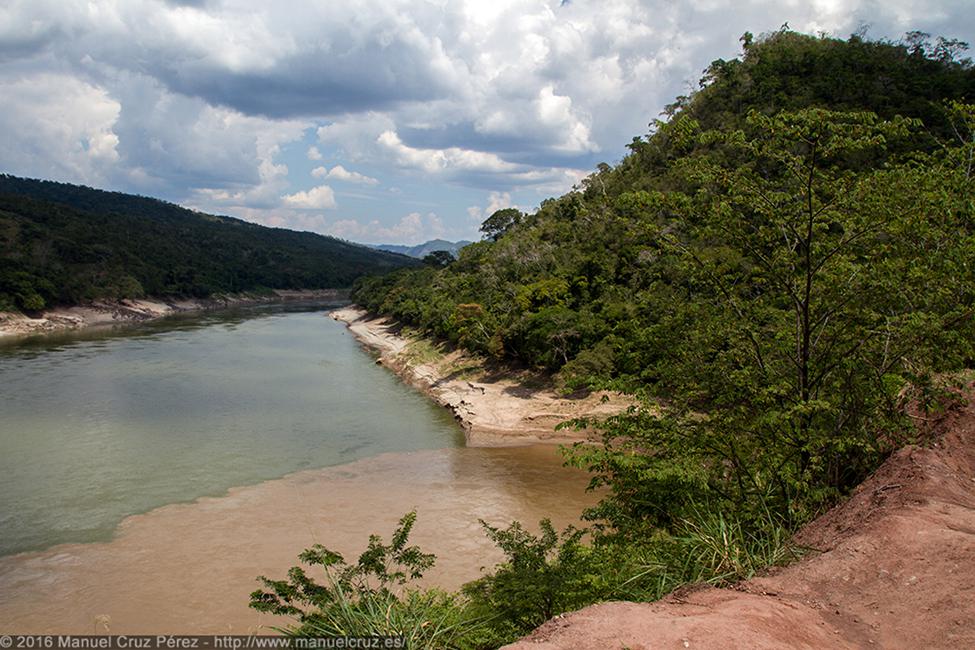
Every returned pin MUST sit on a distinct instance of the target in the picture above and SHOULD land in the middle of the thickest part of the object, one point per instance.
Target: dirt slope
(897, 570)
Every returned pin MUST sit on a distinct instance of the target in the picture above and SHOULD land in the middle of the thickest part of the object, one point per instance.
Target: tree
(813, 298)
(500, 222)
(439, 259)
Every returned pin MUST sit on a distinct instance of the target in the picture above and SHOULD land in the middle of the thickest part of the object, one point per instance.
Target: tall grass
(723, 550)
(542, 576)
(711, 548)
(424, 618)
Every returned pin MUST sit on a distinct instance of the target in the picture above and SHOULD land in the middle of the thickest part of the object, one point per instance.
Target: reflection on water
(99, 336)
(189, 568)
(97, 426)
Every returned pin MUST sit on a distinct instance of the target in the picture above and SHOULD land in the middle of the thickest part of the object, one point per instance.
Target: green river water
(101, 425)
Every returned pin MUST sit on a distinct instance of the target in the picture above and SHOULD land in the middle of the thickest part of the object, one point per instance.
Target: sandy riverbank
(494, 410)
(107, 313)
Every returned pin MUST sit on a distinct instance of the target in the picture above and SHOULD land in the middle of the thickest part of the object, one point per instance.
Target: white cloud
(555, 111)
(285, 218)
(317, 198)
(433, 161)
(472, 167)
(177, 147)
(414, 228)
(56, 126)
(340, 173)
(199, 100)
(549, 113)
(496, 201)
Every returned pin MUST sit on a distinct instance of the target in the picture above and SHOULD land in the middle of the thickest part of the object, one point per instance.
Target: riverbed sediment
(116, 312)
(495, 408)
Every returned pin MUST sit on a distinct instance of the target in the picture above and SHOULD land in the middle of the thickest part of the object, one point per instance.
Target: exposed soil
(105, 313)
(496, 408)
(895, 568)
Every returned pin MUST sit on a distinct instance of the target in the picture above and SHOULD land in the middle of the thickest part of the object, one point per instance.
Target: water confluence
(120, 453)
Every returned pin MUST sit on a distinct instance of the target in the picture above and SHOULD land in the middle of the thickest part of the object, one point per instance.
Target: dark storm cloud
(318, 82)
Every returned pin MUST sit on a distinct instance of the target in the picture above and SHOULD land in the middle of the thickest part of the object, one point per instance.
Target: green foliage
(550, 573)
(781, 264)
(500, 222)
(22, 290)
(777, 271)
(810, 297)
(65, 244)
(542, 575)
(558, 283)
(367, 598)
(438, 259)
(723, 550)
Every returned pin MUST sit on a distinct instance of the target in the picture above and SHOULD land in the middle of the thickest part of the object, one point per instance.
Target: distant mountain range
(422, 250)
(63, 244)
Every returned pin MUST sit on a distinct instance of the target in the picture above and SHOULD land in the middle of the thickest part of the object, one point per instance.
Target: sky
(375, 121)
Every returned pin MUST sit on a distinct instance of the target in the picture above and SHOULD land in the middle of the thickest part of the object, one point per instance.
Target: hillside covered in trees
(568, 281)
(789, 251)
(782, 271)
(64, 244)
(422, 250)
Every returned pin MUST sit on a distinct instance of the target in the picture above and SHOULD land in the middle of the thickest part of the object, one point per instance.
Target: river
(148, 474)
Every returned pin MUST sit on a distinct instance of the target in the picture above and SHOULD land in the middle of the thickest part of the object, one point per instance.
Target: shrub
(368, 598)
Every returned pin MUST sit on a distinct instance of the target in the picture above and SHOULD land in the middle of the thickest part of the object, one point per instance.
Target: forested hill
(579, 281)
(791, 253)
(67, 244)
(422, 250)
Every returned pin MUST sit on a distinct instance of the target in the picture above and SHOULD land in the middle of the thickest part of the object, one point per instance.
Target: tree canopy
(500, 222)
(66, 244)
(784, 261)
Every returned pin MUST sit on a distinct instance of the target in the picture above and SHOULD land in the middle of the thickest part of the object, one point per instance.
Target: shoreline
(120, 312)
(190, 566)
(493, 411)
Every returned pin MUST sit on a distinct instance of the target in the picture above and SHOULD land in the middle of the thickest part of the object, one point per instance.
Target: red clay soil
(896, 570)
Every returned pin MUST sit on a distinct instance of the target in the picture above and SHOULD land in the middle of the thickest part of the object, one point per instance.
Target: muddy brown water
(165, 543)
(188, 568)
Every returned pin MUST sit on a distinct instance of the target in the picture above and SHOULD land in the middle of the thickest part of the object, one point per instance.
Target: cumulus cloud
(206, 102)
(434, 161)
(473, 168)
(55, 126)
(496, 201)
(565, 129)
(414, 228)
(340, 173)
(296, 61)
(293, 219)
(317, 198)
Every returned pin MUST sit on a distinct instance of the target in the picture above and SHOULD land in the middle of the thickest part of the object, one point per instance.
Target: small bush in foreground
(368, 598)
(550, 573)
(542, 576)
